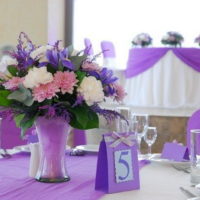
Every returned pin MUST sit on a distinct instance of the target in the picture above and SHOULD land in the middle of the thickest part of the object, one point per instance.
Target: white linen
(170, 83)
(158, 182)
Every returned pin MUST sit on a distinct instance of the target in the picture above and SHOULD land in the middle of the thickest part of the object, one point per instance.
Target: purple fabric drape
(141, 59)
(108, 49)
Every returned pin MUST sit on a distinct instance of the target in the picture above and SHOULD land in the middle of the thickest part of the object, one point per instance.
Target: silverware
(187, 192)
(5, 154)
(186, 170)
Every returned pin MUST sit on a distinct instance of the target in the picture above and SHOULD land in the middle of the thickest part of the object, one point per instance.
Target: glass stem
(149, 150)
(139, 145)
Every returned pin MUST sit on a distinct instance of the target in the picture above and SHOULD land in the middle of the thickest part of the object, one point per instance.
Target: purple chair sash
(193, 123)
(141, 59)
(88, 47)
(11, 135)
(108, 49)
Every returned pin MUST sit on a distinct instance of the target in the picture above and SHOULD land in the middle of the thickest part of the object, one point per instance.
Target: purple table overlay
(141, 59)
(16, 185)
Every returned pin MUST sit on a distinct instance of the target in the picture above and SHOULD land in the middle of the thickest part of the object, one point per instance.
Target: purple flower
(24, 48)
(56, 57)
(109, 115)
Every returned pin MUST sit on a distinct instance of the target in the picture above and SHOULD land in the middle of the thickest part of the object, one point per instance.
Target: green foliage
(13, 70)
(80, 75)
(4, 101)
(18, 118)
(24, 122)
(22, 95)
(84, 118)
(77, 60)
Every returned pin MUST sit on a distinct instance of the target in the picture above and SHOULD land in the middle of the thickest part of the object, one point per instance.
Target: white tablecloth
(158, 182)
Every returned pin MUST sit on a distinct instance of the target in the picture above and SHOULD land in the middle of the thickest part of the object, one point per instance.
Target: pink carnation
(45, 91)
(90, 66)
(120, 93)
(65, 81)
(13, 83)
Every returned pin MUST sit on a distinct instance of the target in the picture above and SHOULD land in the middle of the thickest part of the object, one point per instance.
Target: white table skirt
(170, 83)
(158, 182)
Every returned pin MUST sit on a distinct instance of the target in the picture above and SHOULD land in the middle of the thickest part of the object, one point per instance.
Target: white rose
(37, 76)
(40, 53)
(91, 89)
(5, 61)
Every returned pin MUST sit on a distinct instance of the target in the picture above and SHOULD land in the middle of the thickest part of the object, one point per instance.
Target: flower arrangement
(197, 40)
(51, 81)
(172, 38)
(142, 39)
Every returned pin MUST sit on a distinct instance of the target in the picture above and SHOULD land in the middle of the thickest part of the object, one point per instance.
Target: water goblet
(150, 137)
(139, 125)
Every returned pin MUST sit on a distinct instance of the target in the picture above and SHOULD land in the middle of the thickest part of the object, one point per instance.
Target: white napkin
(35, 159)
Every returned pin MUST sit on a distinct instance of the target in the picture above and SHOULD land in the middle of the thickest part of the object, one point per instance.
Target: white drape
(170, 83)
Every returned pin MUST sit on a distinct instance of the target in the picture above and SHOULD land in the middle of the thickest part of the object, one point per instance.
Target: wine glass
(139, 125)
(150, 137)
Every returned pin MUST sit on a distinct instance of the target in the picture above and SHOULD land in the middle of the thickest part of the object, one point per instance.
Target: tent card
(117, 166)
(175, 151)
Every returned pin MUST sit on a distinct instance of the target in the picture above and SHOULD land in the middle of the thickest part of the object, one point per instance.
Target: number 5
(124, 162)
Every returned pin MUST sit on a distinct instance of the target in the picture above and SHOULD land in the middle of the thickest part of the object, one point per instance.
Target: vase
(52, 135)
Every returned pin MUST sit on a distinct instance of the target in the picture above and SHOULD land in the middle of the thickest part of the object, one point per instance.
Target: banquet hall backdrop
(118, 21)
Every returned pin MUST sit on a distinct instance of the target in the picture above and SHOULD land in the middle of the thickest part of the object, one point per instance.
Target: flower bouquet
(172, 39)
(54, 88)
(197, 40)
(142, 39)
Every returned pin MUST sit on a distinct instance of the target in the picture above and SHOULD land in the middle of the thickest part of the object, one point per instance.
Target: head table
(163, 78)
(158, 181)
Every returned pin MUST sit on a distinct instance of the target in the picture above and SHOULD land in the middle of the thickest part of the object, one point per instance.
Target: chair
(10, 136)
(109, 55)
(88, 47)
(193, 123)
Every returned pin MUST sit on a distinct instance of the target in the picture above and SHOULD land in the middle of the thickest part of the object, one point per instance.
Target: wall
(29, 16)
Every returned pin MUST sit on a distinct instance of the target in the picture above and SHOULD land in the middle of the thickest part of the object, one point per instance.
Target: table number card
(175, 151)
(117, 166)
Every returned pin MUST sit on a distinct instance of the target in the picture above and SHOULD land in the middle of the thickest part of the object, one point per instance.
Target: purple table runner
(16, 185)
(141, 59)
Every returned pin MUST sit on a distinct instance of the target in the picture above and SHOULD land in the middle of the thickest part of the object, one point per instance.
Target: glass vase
(52, 135)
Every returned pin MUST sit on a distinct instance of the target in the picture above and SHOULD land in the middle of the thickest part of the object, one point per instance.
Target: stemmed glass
(139, 125)
(150, 137)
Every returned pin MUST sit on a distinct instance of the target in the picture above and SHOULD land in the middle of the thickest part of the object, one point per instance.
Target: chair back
(193, 123)
(88, 47)
(108, 49)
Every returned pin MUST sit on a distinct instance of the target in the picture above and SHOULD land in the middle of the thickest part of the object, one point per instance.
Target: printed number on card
(123, 165)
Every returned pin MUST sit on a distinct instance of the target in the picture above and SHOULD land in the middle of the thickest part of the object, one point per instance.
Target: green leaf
(84, 118)
(77, 60)
(13, 70)
(80, 75)
(4, 101)
(51, 69)
(70, 49)
(22, 95)
(18, 119)
(26, 124)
